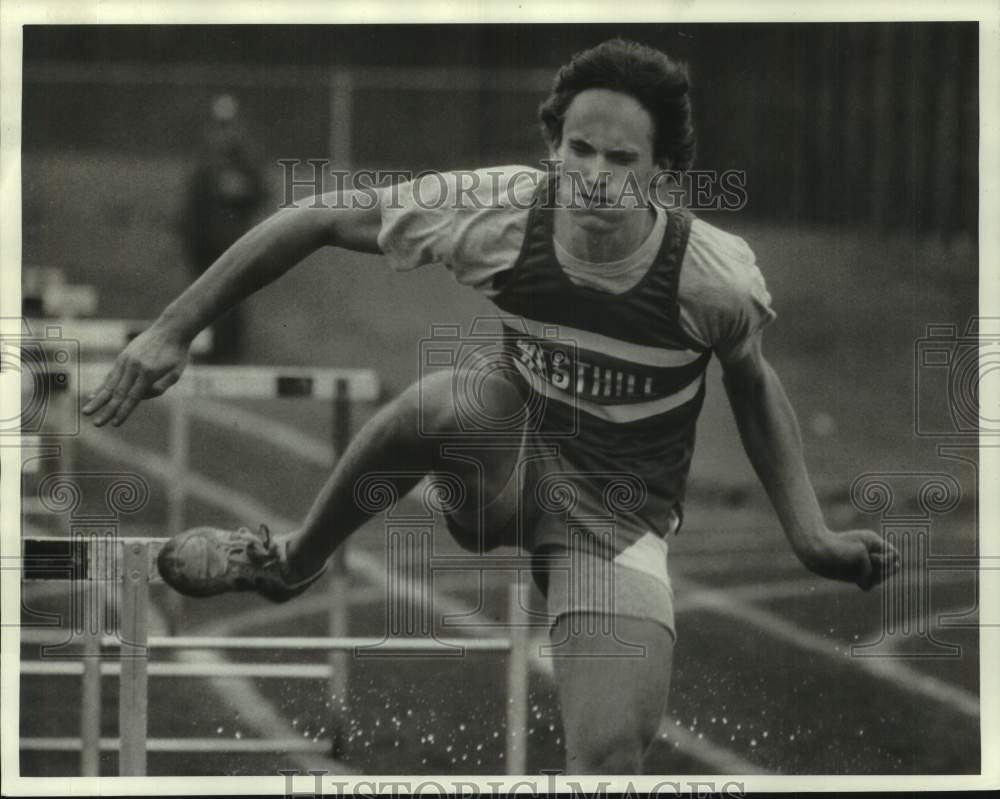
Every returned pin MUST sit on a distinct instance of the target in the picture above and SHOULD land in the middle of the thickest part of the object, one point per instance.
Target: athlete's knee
(475, 403)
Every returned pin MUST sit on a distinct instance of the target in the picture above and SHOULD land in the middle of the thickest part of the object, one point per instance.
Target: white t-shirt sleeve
(472, 222)
(724, 301)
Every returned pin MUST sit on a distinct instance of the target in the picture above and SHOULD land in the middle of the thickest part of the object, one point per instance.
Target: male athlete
(613, 306)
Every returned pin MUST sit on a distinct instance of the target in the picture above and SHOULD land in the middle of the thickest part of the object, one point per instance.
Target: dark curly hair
(658, 82)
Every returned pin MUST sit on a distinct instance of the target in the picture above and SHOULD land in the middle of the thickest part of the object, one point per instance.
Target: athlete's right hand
(151, 363)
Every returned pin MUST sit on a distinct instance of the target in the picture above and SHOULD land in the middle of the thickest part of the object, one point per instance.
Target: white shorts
(573, 571)
(635, 584)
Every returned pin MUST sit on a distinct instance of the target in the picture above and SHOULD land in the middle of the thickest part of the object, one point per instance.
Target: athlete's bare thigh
(612, 690)
(478, 424)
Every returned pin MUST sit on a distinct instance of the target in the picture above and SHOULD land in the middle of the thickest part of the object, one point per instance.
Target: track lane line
(888, 669)
(253, 708)
(242, 506)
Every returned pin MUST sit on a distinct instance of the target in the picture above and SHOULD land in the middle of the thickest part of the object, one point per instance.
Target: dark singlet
(612, 380)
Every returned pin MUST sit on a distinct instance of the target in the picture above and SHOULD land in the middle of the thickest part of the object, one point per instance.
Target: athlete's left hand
(855, 556)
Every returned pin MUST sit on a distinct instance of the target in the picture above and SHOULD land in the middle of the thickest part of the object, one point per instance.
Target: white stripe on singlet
(618, 414)
(595, 342)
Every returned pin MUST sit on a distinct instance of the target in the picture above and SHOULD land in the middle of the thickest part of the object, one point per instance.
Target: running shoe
(206, 561)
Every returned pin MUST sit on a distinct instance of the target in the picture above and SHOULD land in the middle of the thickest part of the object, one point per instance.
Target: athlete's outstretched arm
(154, 360)
(771, 437)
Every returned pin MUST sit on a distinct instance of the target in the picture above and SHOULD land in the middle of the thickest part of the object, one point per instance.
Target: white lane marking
(230, 417)
(723, 760)
(254, 709)
(373, 569)
(888, 669)
(750, 563)
(802, 588)
(933, 621)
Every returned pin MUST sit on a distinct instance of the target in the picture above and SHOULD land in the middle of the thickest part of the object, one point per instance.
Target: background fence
(859, 123)
(854, 131)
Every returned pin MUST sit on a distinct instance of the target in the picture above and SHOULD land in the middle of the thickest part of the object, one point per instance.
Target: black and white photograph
(454, 399)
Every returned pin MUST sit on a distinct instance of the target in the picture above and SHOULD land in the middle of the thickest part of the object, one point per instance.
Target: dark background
(864, 123)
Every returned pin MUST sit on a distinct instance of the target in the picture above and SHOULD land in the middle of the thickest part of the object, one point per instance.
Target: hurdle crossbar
(101, 336)
(270, 643)
(131, 563)
(258, 382)
(186, 745)
(65, 300)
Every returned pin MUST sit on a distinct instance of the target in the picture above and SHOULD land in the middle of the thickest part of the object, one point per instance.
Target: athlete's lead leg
(401, 443)
(404, 437)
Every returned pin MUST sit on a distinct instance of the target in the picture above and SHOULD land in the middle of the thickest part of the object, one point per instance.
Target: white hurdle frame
(56, 297)
(96, 339)
(341, 387)
(131, 562)
(109, 336)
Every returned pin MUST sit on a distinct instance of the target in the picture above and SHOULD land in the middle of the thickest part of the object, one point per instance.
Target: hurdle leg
(66, 415)
(338, 660)
(90, 720)
(179, 449)
(517, 682)
(180, 424)
(133, 685)
(340, 598)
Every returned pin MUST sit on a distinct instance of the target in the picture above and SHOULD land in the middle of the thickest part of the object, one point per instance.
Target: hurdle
(65, 343)
(341, 388)
(99, 337)
(94, 563)
(45, 292)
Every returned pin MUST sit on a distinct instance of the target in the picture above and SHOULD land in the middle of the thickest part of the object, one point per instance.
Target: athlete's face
(605, 157)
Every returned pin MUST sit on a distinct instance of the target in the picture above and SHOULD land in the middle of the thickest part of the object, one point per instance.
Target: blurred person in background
(222, 200)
